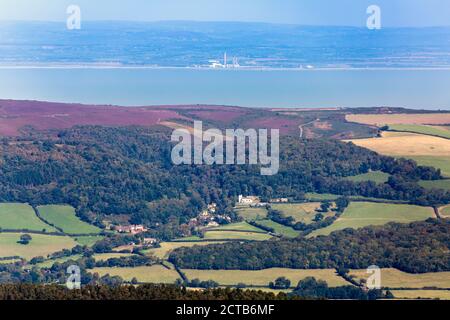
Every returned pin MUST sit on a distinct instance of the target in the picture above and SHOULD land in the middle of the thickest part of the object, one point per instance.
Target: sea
(274, 66)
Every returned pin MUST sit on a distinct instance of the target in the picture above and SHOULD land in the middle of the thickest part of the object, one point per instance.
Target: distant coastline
(206, 68)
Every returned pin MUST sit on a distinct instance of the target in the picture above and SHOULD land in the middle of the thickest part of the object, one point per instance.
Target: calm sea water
(429, 89)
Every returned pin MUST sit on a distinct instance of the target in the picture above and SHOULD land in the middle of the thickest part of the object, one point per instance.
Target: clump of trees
(416, 248)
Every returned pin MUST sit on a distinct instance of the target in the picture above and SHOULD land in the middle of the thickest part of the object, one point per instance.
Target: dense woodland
(143, 292)
(128, 171)
(416, 248)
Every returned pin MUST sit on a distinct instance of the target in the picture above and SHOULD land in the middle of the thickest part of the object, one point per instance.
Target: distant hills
(195, 44)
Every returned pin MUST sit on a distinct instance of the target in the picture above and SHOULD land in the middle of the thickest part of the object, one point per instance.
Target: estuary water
(413, 88)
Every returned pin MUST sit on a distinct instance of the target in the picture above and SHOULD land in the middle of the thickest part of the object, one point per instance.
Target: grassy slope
(279, 228)
(40, 245)
(18, 216)
(429, 130)
(437, 184)
(107, 256)
(301, 212)
(232, 235)
(152, 274)
(422, 294)
(263, 277)
(240, 226)
(64, 218)
(375, 176)
(250, 214)
(393, 278)
(361, 214)
(88, 240)
(167, 247)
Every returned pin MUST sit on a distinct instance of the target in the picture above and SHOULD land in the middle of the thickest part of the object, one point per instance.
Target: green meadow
(363, 214)
(436, 184)
(251, 214)
(438, 162)
(422, 129)
(263, 277)
(145, 274)
(40, 245)
(301, 212)
(375, 176)
(20, 216)
(280, 229)
(64, 217)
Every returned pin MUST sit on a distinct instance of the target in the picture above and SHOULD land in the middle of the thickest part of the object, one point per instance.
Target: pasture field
(403, 144)
(240, 226)
(263, 277)
(425, 150)
(64, 217)
(301, 212)
(107, 256)
(233, 235)
(362, 214)
(393, 278)
(144, 274)
(9, 261)
(315, 197)
(21, 216)
(422, 294)
(436, 184)
(40, 245)
(442, 163)
(251, 214)
(285, 231)
(167, 247)
(51, 262)
(428, 130)
(88, 241)
(445, 211)
(391, 119)
(375, 176)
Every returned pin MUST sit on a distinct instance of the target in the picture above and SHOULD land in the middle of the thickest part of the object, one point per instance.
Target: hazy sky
(308, 12)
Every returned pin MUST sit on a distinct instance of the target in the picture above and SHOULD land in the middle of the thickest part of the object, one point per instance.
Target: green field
(152, 274)
(88, 240)
(240, 226)
(422, 294)
(40, 245)
(422, 129)
(107, 256)
(362, 214)
(251, 214)
(64, 217)
(167, 247)
(263, 277)
(20, 216)
(301, 212)
(287, 232)
(9, 261)
(51, 262)
(312, 196)
(393, 278)
(375, 176)
(445, 211)
(438, 162)
(233, 235)
(436, 184)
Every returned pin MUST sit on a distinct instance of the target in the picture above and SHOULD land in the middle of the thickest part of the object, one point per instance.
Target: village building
(133, 229)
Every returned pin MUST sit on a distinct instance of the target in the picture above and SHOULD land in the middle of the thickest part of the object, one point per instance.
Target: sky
(395, 13)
